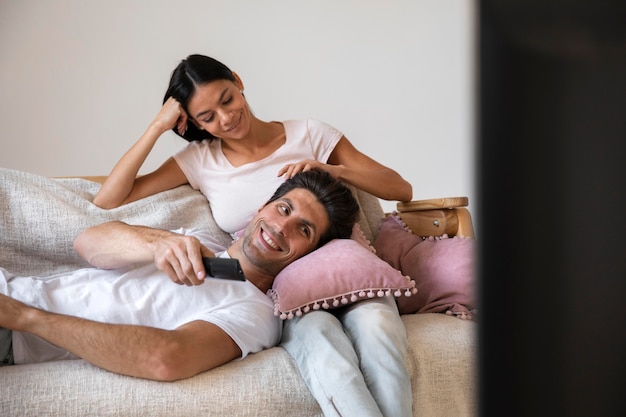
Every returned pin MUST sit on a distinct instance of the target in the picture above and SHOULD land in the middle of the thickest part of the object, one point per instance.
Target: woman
(236, 160)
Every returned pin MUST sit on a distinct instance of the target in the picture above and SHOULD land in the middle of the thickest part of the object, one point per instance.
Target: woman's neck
(262, 141)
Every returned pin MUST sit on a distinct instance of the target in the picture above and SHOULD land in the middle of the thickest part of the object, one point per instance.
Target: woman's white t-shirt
(236, 193)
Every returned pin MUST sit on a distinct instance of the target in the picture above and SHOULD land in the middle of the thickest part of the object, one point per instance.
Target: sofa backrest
(371, 214)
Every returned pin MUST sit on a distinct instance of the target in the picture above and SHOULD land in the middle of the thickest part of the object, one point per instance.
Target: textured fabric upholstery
(440, 362)
(39, 218)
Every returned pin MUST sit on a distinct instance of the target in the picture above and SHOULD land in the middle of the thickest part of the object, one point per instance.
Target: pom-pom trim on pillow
(359, 236)
(337, 301)
(342, 272)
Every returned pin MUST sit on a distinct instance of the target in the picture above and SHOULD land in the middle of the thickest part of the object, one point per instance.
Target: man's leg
(379, 338)
(329, 365)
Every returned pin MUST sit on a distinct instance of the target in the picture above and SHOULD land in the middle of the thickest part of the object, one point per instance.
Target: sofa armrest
(95, 178)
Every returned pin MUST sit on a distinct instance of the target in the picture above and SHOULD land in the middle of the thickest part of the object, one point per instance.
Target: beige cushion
(441, 362)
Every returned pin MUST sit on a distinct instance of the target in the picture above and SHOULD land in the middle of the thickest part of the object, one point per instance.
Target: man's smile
(266, 237)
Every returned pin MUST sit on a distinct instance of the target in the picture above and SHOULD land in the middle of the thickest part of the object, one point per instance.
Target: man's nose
(283, 225)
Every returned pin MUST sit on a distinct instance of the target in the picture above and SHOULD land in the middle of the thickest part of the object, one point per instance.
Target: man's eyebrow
(208, 111)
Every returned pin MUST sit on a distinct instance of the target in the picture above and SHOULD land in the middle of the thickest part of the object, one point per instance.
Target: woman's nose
(226, 117)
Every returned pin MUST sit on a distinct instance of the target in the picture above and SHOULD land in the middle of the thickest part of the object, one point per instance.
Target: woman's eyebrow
(208, 111)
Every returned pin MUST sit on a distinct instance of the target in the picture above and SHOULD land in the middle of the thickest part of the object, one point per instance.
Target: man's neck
(260, 279)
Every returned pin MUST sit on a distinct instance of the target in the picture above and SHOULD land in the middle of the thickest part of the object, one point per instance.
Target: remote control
(224, 268)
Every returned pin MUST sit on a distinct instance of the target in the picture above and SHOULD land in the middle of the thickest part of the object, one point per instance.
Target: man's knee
(375, 320)
(313, 324)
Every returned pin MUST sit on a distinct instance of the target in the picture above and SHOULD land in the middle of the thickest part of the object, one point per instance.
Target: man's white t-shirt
(143, 295)
(236, 193)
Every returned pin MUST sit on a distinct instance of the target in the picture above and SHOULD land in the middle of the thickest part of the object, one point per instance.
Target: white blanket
(41, 216)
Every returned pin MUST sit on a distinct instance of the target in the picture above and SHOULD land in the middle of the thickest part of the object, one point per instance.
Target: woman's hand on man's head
(290, 170)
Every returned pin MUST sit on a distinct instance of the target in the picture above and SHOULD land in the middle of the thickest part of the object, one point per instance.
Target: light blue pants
(353, 358)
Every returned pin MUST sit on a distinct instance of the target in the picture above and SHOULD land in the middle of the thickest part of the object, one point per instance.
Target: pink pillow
(442, 267)
(341, 272)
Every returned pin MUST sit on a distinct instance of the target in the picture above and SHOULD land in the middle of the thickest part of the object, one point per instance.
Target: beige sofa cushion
(441, 363)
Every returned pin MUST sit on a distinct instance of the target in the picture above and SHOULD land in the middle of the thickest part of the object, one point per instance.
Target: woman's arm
(122, 185)
(354, 167)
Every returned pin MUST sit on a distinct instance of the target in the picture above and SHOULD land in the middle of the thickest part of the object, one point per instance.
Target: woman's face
(220, 108)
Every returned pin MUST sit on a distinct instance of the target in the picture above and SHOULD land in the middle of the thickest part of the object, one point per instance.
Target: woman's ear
(238, 81)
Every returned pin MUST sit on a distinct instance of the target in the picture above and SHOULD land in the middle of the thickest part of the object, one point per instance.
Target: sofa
(40, 217)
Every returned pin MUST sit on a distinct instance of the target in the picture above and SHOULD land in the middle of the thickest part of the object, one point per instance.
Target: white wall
(81, 79)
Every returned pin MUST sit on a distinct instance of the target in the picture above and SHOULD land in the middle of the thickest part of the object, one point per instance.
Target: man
(123, 317)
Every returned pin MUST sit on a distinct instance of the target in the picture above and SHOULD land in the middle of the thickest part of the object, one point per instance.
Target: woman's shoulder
(199, 146)
(309, 125)
(312, 134)
(304, 122)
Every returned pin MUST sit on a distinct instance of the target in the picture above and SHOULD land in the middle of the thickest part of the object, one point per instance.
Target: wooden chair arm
(438, 216)
(95, 178)
(433, 203)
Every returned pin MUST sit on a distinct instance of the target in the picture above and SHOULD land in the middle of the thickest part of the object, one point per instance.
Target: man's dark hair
(337, 199)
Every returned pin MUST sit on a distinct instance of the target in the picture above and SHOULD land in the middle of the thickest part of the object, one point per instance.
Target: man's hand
(116, 245)
(180, 257)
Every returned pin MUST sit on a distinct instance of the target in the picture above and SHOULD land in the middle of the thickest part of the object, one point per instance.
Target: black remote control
(224, 268)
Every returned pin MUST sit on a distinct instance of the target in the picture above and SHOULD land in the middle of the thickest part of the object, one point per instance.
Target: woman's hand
(290, 170)
(170, 115)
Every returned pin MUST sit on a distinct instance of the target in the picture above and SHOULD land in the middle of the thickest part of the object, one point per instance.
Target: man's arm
(116, 244)
(138, 351)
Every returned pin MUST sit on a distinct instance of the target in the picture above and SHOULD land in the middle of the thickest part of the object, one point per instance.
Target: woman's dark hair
(337, 199)
(193, 71)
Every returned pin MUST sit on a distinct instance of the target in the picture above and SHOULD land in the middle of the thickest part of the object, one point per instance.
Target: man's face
(285, 230)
